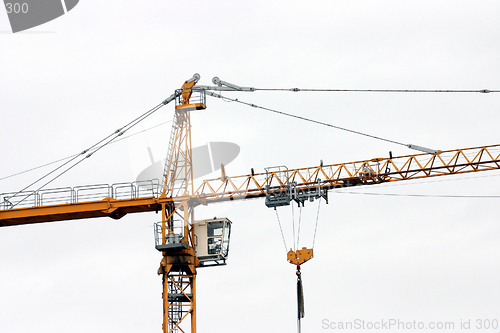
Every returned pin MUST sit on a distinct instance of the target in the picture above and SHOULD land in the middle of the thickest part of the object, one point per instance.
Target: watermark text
(397, 324)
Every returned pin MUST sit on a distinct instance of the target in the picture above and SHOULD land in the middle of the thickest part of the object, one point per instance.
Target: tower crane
(187, 244)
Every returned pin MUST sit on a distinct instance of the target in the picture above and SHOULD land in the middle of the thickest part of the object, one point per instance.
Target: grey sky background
(68, 83)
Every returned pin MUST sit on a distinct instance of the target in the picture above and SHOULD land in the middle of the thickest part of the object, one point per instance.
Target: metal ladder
(169, 152)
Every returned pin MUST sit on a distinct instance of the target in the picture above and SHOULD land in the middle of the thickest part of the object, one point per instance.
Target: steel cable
(483, 91)
(304, 118)
(68, 157)
(94, 148)
(281, 229)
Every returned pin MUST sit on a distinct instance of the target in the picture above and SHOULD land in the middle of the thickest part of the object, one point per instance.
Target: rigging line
(116, 133)
(136, 133)
(139, 119)
(145, 115)
(93, 150)
(306, 119)
(63, 172)
(282, 236)
(316, 226)
(484, 91)
(425, 195)
(68, 157)
(74, 165)
(38, 167)
(51, 172)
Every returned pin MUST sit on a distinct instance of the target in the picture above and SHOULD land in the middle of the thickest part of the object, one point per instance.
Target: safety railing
(169, 239)
(198, 96)
(67, 195)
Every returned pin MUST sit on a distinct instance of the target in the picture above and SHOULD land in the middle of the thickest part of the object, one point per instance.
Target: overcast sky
(70, 82)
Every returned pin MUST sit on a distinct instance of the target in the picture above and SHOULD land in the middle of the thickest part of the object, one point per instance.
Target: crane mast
(176, 198)
(177, 243)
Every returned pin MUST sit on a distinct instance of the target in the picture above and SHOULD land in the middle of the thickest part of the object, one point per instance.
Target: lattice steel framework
(178, 199)
(359, 173)
(178, 266)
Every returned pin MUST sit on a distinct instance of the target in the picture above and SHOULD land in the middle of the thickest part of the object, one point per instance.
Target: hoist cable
(484, 91)
(97, 146)
(293, 228)
(306, 119)
(300, 218)
(316, 226)
(281, 229)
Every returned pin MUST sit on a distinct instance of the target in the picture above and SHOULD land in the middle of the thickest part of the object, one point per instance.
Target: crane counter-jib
(270, 184)
(108, 207)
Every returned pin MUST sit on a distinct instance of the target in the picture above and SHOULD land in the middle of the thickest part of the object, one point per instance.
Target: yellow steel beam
(108, 207)
(367, 172)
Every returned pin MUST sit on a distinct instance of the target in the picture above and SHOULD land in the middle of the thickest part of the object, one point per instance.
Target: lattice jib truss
(368, 172)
